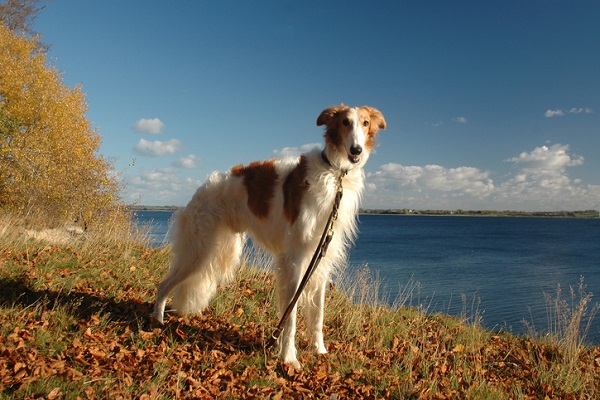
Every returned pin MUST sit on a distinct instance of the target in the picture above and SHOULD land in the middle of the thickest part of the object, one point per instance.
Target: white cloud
(157, 148)
(465, 180)
(554, 113)
(295, 151)
(546, 160)
(161, 187)
(561, 113)
(153, 126)
(542, 180)
(189, 162)
(580, 110)
(539, 181)
(460, 120)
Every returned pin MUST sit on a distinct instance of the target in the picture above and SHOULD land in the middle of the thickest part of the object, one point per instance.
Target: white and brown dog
(283, 205)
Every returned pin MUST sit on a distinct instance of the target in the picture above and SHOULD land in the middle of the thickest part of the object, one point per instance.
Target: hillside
(74, 318)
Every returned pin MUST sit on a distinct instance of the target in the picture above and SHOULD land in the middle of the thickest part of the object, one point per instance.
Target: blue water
(497, 268)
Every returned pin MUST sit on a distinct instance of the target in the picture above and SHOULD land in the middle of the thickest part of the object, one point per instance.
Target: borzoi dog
(283, 205)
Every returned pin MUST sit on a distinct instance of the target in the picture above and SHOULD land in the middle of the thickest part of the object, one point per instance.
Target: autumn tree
(49, 161)
(17, 15)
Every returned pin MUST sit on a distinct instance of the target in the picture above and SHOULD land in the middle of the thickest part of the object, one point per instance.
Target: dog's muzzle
(355, 153)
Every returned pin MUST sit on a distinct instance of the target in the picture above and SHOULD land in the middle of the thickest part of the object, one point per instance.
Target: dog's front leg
(288, 275)
(287, 342)
(314, 312)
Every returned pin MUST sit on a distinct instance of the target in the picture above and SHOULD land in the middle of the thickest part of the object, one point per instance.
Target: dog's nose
(356, 150)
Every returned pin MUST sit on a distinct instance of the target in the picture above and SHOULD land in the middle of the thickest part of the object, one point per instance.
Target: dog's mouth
(354, 159)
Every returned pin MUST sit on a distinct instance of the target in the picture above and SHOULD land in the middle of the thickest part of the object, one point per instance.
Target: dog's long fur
(283, 205)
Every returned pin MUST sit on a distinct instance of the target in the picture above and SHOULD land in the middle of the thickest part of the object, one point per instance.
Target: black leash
(319, 254)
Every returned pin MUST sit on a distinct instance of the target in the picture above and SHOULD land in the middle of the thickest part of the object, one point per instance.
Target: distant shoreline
(487, 213)
(152, 208)
(469, 213)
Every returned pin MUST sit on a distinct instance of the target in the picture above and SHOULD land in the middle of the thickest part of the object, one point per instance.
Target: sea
(507, 273)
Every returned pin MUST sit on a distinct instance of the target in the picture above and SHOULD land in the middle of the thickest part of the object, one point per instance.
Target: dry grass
(75, 322)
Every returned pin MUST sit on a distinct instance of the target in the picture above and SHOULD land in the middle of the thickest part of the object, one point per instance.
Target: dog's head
(350, 134)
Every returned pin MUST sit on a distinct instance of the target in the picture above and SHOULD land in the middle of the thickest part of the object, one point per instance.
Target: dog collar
(343, 172)
(324, 157)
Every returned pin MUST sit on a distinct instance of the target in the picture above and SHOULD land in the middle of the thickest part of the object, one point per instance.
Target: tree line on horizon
(406, 211)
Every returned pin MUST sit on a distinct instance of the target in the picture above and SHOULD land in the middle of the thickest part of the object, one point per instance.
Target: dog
(283, 205)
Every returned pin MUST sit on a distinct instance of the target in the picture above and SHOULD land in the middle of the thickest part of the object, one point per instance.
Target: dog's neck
(343, 172)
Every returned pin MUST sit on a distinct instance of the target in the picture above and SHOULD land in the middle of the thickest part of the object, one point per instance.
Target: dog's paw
(293, 364)
(319, 348)
(157, 318)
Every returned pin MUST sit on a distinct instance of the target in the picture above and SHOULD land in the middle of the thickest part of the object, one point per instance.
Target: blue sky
(489, 104)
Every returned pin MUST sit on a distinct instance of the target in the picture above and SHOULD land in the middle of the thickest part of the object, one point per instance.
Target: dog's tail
(210, 258)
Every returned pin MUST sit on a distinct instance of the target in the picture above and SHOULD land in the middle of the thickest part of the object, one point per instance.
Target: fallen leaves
(96, 341)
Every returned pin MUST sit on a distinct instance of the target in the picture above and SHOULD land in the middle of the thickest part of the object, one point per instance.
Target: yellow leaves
(96, 353)
(459, 348)
(47, 146)
(18, 367)
(54, 394)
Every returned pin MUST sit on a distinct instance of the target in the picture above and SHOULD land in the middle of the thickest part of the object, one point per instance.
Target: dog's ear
(377, 120)
(329, 113)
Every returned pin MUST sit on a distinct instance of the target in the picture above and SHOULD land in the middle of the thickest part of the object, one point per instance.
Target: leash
(317, 256)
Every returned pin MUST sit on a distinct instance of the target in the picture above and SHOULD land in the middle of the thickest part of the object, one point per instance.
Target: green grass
(75, 323)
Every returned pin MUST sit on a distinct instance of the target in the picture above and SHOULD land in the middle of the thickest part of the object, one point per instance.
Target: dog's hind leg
(195, 293)
(194, 277)
(228, 258)
(180, 270)
(191, 254)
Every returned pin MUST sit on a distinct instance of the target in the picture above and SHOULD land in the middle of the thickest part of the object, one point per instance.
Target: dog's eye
(365, 123)
(346, 122)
